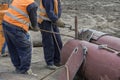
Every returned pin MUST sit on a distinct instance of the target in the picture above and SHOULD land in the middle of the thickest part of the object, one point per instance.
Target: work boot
(58, 64)
(16, 72)
(4, 55)
(29, 72)
(52, 67)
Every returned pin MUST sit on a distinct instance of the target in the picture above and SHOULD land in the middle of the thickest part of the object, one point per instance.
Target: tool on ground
(68, 26)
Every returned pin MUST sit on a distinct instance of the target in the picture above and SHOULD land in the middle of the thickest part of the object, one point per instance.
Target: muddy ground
(102, 15)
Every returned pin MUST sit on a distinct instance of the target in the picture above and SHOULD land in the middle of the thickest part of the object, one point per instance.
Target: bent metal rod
(55, 33)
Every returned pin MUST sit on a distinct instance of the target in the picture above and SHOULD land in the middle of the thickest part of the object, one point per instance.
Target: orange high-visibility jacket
(17, 14)
(42, 12)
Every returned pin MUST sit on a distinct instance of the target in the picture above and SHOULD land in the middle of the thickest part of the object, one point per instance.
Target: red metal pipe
(100, 64)
(111, 41)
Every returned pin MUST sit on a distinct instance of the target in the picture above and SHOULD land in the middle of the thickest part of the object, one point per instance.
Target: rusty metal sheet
(90, 34)
(98, 37)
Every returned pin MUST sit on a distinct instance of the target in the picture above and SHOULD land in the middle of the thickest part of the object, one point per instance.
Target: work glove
(36, 28)
(60, 23)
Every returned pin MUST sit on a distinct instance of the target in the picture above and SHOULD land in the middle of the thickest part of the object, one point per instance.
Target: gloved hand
(34, 28)
(60, 23)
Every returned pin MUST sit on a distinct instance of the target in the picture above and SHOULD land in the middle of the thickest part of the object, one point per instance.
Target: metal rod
(54, 33)
(76, 28)
(57, 33)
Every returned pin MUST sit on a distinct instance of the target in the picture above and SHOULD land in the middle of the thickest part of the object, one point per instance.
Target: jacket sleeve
(32, 12)
(49, 6)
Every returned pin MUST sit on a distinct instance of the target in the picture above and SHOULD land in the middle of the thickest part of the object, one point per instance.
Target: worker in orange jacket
(49, 20)
(16, 24)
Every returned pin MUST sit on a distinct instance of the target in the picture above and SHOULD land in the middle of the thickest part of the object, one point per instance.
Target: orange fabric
(44, 14)
(56, 6)
(3, 9)
(2, 39)
(3, 6)
(2, 12)
(22, 5)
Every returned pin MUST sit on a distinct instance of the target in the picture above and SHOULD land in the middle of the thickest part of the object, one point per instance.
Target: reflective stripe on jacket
(17, 14)
(42, 12)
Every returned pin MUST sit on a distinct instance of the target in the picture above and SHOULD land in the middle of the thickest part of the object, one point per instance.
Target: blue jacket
(49, 6)
(32, 12)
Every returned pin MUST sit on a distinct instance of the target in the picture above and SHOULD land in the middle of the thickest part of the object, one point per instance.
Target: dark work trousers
(51, 51)
(19, 46)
